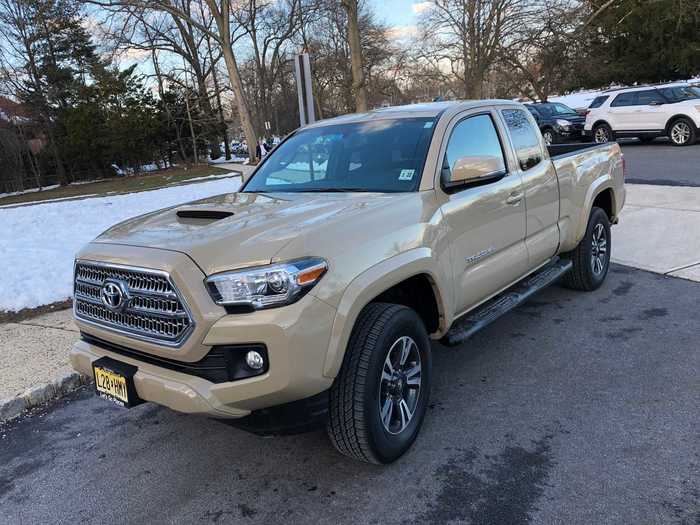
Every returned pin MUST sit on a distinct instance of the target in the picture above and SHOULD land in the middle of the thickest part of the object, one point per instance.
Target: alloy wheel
(680, 132)
(601, 135)
(400, 385)
(599, 249)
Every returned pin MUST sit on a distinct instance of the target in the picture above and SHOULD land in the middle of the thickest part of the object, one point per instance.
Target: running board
(466, 326)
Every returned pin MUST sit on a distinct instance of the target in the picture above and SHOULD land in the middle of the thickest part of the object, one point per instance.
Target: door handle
(514, 198)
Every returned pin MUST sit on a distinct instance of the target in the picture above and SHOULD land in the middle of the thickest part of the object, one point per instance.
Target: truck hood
(237, 230)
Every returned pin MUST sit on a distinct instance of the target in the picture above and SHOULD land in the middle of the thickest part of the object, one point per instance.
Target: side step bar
(467, 325)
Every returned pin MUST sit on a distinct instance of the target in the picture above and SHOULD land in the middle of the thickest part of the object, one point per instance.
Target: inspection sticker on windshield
(406, 175)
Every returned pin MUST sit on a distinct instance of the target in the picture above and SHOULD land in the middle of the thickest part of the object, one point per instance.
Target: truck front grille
(141, 303)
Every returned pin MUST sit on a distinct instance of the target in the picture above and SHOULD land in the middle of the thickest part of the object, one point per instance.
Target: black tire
(603, 133)
(682, 132)
(585, 275)
(355, 424)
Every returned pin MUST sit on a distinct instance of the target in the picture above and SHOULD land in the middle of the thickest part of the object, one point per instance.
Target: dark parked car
(558, 122)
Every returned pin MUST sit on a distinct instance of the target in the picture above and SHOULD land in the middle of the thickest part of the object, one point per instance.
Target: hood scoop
(210, 215)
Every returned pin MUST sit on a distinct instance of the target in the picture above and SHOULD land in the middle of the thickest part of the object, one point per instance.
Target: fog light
(254, 360)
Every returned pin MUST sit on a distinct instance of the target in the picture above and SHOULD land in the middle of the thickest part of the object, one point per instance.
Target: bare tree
(222, 32)
(539, 59)
(467, 37)
(269, 27)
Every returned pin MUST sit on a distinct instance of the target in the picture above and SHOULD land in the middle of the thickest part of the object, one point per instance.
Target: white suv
(646, 113)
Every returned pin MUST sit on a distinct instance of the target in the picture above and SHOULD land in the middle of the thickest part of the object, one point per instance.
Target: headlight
(563, 123)
(266, 286)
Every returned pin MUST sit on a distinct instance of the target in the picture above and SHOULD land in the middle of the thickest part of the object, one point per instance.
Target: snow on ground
(38, 242)
(32, 190)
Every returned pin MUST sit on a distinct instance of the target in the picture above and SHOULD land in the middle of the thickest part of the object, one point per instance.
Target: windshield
(680, 93)
(554, 109)
(377, 156)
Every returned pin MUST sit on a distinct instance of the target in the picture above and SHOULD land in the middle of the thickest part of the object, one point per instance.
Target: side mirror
(474, 168)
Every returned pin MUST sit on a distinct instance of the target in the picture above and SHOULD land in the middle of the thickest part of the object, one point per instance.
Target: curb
(11, 408)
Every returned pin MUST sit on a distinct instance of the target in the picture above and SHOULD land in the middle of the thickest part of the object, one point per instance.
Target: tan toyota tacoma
(313, 293)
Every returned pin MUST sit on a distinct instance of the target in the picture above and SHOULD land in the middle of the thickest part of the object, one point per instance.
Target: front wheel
(591, 258)
(682, 132)
(379, 399)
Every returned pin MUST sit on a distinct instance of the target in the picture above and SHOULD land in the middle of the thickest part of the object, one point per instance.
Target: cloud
(420, 7)
(401, 32)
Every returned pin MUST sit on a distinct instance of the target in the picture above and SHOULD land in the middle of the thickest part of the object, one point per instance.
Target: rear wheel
(682, 132)
(379, 399)
(591, 258)
(602, 133)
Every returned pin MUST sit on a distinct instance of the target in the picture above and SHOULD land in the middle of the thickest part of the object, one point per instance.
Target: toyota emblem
(114, 294)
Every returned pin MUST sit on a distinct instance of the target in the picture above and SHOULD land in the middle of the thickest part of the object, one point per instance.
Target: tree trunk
(358, 76)
(241, 104)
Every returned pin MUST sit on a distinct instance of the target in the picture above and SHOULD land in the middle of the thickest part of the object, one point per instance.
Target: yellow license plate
(111, 384)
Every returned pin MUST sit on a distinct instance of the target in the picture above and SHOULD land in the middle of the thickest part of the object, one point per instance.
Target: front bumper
(570, 134)
(296, 338)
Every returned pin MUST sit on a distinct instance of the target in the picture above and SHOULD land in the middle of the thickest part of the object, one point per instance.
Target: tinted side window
(474, 138)
(649, 96)
(598, 101)
(625, 99)
(525, 139)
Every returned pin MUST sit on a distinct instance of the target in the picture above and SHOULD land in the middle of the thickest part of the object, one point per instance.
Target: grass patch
(117, 185)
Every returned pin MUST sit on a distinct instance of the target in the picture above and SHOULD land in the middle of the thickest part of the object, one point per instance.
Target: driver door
(486, 219)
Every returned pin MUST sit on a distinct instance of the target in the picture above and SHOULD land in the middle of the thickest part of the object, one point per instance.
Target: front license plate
(114, 381)
(111, 385)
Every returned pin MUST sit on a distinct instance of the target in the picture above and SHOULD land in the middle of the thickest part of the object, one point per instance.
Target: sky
(401, 15)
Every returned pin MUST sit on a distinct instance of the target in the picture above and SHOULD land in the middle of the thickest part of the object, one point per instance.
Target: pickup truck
(313, 293)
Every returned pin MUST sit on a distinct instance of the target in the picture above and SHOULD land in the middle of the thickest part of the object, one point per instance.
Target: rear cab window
(525, 138)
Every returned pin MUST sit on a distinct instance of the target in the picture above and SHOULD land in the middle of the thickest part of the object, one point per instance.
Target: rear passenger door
(486, 220)
(540, 185)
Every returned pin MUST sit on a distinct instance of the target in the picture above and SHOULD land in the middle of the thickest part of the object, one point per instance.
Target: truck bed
(557, 151)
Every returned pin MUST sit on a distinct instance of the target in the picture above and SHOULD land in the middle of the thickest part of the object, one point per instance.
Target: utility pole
(302, 69)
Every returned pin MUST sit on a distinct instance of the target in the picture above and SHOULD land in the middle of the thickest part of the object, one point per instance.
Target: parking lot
(574, 408)
(659, 162)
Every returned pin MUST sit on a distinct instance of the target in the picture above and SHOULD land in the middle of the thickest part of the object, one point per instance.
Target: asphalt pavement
(575, 408)
(661, 163)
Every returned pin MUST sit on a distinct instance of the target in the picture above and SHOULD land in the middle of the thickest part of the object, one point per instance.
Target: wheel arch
(600, 122)
(600, 194)
(674, 118)
(403, 279)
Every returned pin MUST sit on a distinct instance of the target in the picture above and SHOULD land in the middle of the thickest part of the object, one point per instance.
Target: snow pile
(578, 100)
(38, 242)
